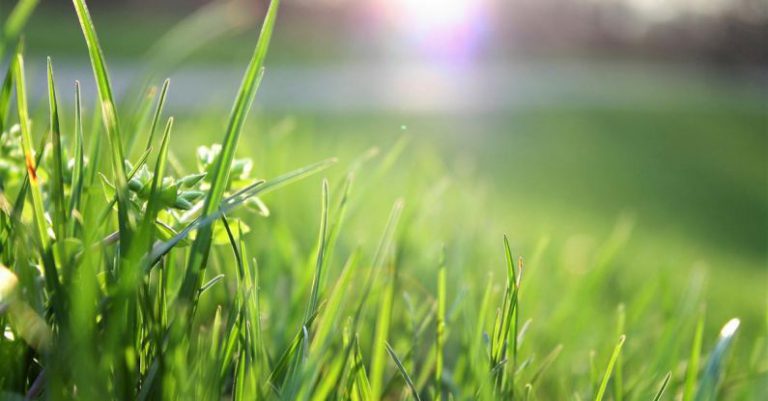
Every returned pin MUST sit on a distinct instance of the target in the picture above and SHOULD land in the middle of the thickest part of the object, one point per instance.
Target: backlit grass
(153, 272)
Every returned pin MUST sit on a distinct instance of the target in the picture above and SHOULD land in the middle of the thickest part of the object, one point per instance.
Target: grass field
(547, 254)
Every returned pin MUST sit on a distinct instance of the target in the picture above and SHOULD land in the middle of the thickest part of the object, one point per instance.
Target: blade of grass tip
(506, 329)
(198, 254)
(59, 216)
(712, 371)
(15, 23)
(158, 112)
(609, 369)
(663, 387)
(110, 119)
(440, 328)
(546, 363)
(339, 214)
(689, 389)
(403, 372)
(618, 377)
(211, 283)
(77, 169)
(323, 237)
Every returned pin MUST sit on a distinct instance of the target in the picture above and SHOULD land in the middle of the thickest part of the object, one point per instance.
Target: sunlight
(452, 28)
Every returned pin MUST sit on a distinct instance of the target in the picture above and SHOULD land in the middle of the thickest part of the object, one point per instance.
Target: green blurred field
(691, 181)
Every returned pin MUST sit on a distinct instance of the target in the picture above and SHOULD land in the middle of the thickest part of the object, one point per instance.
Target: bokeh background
(577, 117)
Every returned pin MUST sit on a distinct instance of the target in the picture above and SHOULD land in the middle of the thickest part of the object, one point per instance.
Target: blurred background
(573, 114)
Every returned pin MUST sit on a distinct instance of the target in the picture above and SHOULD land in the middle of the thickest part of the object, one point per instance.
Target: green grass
(184, 270)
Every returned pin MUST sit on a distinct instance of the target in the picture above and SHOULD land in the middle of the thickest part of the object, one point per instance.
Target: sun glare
(453, 28)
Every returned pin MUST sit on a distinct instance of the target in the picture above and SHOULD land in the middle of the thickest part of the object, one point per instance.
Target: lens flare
(442, 28)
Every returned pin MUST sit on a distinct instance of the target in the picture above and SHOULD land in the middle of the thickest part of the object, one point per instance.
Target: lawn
(561, 252)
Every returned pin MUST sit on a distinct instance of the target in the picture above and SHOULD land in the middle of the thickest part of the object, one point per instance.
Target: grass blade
(153, 206)
(158, 111)
(26, 143)
(711, 378)
(609, 369)
(440, 330)
(546, 363)
(323, 237)
(692, 371)
(403, 372)
(618, 377)
(663, 387)
(57, 192)
(78, 173)
(109, 117)
(198, 256)
(361, 386)
(381, 335)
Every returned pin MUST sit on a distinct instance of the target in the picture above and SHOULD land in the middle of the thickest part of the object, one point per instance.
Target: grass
(154, 274)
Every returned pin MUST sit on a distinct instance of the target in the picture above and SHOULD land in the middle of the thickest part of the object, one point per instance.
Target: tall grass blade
(321, 247)
(710, 379)
(198, 255)
(609, 369)
(663, 387)
(78, 172)
(618, 376)
(403, 372)
(440, 329)
(109, 117)
(360, 385)
(57, 192)
(158, 112)
(26, 144)
(46, 258)
(692, 370)
(153, 205)
(546, 363)
(381, 336)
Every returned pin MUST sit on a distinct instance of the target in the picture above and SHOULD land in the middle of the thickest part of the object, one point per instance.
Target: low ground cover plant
(165, 277)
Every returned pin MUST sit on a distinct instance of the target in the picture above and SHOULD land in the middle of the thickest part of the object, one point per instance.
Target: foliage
(145, 283)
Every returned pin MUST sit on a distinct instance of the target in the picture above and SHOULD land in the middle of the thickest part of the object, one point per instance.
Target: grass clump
(145, 282)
